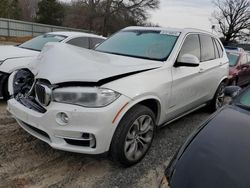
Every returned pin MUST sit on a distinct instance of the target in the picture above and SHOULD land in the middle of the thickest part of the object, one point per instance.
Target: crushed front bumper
(89, 131)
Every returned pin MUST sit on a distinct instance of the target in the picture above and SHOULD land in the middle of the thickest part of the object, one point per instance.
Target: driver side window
(191, 46)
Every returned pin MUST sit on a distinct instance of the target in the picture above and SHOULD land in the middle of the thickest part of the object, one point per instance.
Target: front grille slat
(40, 93)
(43, 94)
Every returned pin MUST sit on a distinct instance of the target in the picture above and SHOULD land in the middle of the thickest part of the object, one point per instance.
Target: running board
(186, 113)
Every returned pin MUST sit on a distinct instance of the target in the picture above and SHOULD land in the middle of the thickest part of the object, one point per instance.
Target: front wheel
(5, 91)
(218, 100)
(134, 136)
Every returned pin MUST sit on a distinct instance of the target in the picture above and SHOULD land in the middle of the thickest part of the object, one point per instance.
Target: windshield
(233, 59)
(39, 42)
(155, 45)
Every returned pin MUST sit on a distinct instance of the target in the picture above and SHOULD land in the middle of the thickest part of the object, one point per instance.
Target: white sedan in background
(17, 57)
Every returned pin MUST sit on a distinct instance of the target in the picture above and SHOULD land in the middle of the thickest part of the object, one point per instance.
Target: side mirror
(187, 60)
(232, 91)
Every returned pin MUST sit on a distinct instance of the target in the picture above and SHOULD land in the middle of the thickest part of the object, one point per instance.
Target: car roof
(172, 29)
(75, 34)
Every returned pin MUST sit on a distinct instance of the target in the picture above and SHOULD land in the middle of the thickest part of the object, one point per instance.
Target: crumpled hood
(10, 52)
(66, 63)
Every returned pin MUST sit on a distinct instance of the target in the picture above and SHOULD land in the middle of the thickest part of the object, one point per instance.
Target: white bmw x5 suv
(113, 99)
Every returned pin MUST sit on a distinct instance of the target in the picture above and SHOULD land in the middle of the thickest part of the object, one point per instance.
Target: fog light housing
(62, 118)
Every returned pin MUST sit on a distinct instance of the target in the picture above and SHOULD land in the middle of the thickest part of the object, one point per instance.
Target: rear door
(212, 64)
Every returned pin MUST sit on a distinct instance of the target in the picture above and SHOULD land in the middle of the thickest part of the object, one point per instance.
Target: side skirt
(186, 113)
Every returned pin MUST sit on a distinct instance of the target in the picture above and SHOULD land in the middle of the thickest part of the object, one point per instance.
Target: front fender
(10, 65)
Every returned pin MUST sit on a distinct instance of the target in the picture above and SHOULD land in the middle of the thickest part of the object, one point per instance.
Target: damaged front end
(21, 87)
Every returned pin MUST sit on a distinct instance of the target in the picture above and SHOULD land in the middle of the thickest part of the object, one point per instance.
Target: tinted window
(80, 42)
(191, 45)
(39, 42)
(147, 44)
(95, 41)
(233, 59)
(207, 48)
(219, 47)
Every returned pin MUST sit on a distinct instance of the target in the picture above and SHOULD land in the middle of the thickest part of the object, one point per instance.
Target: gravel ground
(28, 162)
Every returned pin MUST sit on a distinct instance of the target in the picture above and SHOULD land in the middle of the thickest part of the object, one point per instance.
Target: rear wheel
(134, 136)
(218, 100)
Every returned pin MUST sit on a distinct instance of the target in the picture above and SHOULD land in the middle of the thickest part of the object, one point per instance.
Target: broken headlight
(21, 82)
(85, 96)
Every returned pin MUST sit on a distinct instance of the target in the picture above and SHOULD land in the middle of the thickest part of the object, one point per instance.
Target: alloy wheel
(139, 138)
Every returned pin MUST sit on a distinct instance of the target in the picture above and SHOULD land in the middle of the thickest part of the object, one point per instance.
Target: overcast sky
(184, 13)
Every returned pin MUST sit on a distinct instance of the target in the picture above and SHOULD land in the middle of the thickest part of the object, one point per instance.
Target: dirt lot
(28, 162)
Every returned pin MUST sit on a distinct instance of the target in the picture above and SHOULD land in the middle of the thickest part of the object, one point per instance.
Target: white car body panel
(88, 65)
(10, 65)
(177, 90)
(11, 53)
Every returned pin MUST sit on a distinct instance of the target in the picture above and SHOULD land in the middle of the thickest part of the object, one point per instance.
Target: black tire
(213, 105)
(120, 137)
(5, 91)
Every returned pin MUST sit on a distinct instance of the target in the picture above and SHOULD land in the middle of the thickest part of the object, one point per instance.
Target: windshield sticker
(172, 33)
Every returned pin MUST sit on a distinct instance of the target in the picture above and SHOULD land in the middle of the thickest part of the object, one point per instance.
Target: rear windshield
(233, 59)
(38, 43)
(147, 44)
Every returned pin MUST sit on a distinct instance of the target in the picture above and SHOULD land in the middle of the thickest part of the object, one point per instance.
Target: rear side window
(191, 46)
(82, 42)
(217, 55)
(219, 47)
(95, 41)
(207, 48)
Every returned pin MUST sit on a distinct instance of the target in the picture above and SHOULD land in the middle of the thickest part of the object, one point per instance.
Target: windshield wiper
(127, 55)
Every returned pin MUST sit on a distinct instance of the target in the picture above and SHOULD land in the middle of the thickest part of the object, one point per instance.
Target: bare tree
(108, 16)
(29, 8)
(136, 9)
(233, 18)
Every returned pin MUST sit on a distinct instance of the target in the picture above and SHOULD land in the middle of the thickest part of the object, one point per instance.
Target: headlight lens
(85, 96)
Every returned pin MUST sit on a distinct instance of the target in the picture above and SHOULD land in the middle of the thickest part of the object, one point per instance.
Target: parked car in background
(217, 154)
(233, 48)
(15, 57)
(111, 99)
(239, 72)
